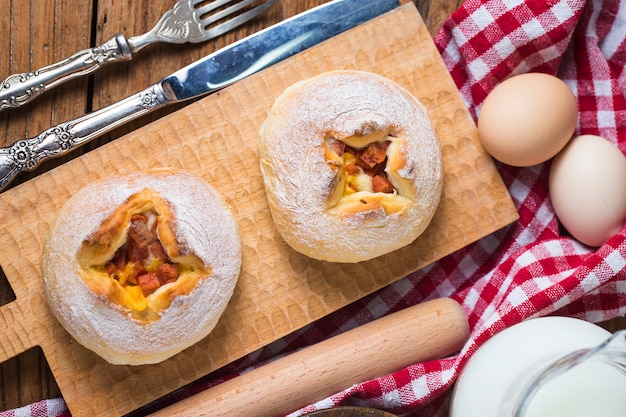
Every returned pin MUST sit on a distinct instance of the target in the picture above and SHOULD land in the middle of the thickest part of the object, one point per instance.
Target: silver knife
(207, 75)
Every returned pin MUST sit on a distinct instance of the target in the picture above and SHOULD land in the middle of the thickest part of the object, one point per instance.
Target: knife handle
(426, 331)
(20, 89)
(26, 154)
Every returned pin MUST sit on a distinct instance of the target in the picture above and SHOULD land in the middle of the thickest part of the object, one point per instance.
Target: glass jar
(547, 366)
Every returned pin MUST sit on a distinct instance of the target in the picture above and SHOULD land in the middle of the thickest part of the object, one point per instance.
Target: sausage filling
(364, 167)
(135, 261)
(367, 172)
(142, 260)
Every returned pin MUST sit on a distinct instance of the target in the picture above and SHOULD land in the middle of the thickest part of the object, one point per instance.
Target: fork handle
(26, 154)
(20, 89)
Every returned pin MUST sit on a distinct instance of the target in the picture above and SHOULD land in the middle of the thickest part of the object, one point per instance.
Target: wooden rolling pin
(430, 330)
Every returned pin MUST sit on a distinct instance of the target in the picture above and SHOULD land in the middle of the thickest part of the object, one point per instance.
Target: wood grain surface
(279, 290)
(40, 33)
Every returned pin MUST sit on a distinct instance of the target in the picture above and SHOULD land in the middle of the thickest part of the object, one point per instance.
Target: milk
(494, 376)
(590, 389)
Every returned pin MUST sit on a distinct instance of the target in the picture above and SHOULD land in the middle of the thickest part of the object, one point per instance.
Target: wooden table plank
(58, 29)
(54, 31)
(40, 33)
(396, 45)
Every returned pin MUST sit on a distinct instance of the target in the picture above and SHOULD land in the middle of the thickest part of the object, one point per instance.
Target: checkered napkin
(528, 269)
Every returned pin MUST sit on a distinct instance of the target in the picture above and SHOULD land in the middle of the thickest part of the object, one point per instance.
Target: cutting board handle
(426, 331)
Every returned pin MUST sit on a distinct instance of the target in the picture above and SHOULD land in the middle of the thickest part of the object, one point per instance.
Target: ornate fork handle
(175, 26)
(185, 22)
(26, 154)
(20, 89)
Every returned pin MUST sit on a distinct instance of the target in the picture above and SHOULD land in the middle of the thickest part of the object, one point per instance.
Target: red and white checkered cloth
(530, 268)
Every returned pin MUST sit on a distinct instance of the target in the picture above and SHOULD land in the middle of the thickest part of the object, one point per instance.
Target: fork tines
(212, 21)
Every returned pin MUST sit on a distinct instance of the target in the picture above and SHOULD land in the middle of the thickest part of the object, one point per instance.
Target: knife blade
(272, 45)
(209, 74)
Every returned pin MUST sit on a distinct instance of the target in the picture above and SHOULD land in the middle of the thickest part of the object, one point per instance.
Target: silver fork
(188, 21)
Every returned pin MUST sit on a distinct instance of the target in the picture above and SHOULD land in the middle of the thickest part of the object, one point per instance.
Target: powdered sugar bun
(320, 205)
(120, 323)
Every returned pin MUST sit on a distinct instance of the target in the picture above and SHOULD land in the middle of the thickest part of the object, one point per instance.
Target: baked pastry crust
(306, 176)
(131, 324)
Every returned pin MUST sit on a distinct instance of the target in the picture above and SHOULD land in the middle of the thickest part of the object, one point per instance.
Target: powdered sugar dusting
(299, 181)
(203, 223)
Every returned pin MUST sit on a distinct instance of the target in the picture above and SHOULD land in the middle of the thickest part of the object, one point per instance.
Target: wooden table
(45, 32)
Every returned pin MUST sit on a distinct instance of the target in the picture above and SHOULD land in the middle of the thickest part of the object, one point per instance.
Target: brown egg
(527, 119)
(587, 185)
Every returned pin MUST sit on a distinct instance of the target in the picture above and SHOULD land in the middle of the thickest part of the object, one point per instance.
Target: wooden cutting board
(279, 290)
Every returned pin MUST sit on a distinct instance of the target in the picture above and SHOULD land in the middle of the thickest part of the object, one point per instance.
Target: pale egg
(527, 119)
(587, 186)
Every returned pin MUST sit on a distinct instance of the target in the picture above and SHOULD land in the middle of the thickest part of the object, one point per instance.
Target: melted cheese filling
(365, 181)
(358, 181)
(128, 261)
